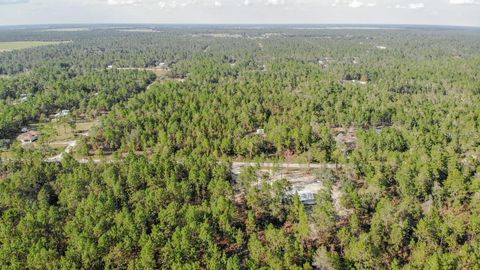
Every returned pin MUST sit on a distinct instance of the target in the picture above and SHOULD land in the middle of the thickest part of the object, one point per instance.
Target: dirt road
(236, 166)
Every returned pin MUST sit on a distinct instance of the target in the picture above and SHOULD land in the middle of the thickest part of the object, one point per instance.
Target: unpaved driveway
(58, 158)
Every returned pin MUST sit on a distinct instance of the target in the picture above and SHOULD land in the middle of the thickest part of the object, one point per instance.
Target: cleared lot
(19, 45)
(305, 179)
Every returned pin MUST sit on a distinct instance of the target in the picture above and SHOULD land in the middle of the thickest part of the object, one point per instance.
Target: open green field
(19, 45)
(6, 154)
(63, 133)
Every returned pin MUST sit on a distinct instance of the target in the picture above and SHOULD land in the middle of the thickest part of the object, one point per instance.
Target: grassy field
(62, 133)
(19, 45)
(6, 154)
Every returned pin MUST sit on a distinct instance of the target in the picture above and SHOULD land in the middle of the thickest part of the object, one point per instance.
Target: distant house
(62, 114)
(102, 112)
(307, 198)
(109, 66)
(162, 65)
(28, 137)
(324, 61)
(359, 82)
(24, 97)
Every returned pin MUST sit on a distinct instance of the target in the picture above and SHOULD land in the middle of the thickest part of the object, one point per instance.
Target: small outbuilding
(162, 65)
(29, 136)
(63, 113)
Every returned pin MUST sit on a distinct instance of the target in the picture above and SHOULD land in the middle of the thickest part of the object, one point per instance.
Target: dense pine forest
(392, 115)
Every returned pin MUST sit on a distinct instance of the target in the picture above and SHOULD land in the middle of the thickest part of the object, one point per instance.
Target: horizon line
(239, 24)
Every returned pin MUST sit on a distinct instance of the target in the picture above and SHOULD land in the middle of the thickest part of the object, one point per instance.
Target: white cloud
(11, 2)
(416, 5)
(171, 4)
(275, 2)
(262, 2)
(356, 4)
(410, 6)
(122, 2)
(353, 3)
(464, 2)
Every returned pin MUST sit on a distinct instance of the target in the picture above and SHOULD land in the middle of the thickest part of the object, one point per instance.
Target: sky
(429, 12)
